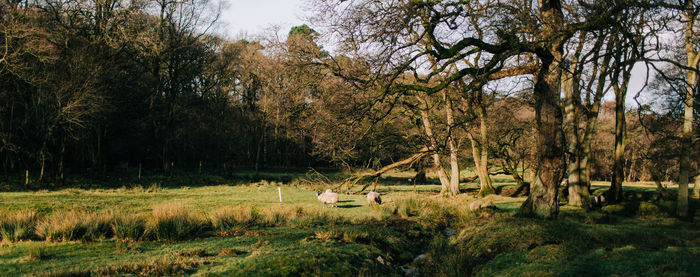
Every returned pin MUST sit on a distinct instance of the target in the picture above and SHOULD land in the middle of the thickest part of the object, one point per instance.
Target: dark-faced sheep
(373, 197)
(328, 198)
(597, 200)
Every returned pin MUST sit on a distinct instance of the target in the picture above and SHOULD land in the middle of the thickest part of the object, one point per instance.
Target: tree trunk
(42, 153)
(687, 137)
(585, 177)
(549, 168)
(485, 187)
(549, 163)
(615, 193)
(656, 177)
(592, 117)
(578, 191)
(437, 164)
(686, 144)
(62, 155)
(480, 153)
(512, 169)
(631, 173)
(454, 162)
(258, 151)
(43, 163)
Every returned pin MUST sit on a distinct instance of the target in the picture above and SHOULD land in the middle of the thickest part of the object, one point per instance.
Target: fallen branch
(352, 181)
(657, 181)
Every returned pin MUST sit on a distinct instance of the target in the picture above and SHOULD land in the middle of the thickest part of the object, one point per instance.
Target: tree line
(534, 89)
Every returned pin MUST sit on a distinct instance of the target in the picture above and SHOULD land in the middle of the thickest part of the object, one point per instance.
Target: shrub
(127, 227)
(174, 222)
(19, 226)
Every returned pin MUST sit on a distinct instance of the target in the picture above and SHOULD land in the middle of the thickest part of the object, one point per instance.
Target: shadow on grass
(574, 245)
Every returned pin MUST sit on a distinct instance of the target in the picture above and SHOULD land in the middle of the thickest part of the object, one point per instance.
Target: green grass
(243, 230)
(155, 232)
(200, 199)
(287, 250)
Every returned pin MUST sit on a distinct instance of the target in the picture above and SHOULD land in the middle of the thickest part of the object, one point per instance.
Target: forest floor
(414, 230)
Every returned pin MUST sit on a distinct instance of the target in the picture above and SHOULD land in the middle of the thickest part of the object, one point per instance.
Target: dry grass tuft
(174, 222)
(75, 225)
(228, 218)
(129, 227)
(19, 226)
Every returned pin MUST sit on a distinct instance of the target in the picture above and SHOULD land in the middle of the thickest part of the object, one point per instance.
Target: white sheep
(374, 197)
(328, 198)
(475, 206)
(481, 204)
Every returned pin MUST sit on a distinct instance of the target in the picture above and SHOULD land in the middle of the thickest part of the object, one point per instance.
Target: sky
(251, 17)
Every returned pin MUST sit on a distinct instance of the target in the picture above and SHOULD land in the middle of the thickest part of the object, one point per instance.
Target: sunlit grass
(244, 229)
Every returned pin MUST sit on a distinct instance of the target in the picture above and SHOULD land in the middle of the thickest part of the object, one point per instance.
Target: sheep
(374, 198)
(475, 206)
(597, 200)
(328, 198)
(481, 204)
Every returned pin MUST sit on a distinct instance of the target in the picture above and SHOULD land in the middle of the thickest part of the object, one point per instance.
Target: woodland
(577, 104)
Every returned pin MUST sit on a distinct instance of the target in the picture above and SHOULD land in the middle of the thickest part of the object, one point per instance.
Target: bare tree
(457, 30)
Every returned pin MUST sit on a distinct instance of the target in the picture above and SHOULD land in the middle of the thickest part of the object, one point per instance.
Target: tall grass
(279, 216)
(431, 212)
(167, 222)
(129, 227)
(174, 222)
(19, 226)
(75, 225)
(228, 218)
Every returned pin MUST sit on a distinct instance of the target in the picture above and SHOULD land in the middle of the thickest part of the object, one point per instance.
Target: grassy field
(242, 229)
(248, 248)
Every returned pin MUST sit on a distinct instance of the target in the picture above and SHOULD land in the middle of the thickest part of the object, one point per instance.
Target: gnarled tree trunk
(549, 163)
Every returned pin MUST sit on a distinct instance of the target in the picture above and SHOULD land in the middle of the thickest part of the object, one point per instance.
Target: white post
(279, 191)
